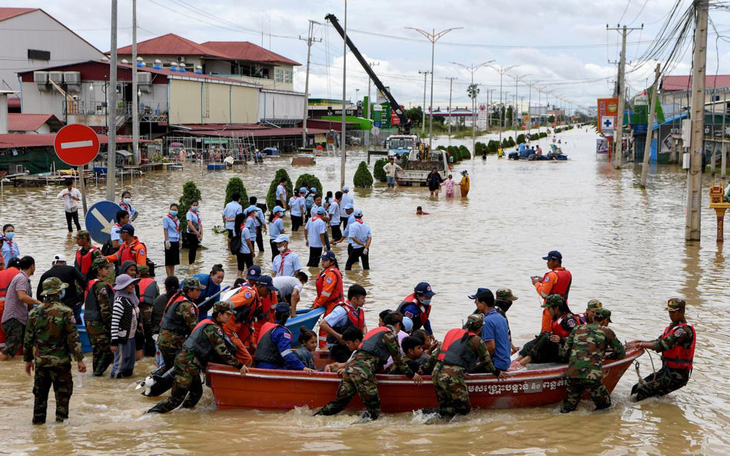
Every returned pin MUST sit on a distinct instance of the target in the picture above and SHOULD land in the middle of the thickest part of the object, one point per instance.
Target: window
(35, 54)
(288, 76)
(278, 75)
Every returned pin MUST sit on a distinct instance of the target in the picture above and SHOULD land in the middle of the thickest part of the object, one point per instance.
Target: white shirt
(314, 229)
(346, 199)
(71, 204)
(286, 285)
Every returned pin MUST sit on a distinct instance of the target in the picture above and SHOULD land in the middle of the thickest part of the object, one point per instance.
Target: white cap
(59, 258)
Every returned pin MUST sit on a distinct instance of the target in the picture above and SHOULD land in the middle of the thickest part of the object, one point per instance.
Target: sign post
(77, 145)
(100, 219)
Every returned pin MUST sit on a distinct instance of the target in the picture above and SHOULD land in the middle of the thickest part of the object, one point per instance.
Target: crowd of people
(187, 325)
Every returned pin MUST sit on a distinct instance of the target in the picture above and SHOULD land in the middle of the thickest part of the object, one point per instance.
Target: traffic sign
(76, 144)
(100, 219)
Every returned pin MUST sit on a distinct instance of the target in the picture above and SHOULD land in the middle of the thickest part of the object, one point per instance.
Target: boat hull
(279, 389)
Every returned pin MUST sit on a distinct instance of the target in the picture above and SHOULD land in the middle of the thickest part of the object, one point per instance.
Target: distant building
(39, 124)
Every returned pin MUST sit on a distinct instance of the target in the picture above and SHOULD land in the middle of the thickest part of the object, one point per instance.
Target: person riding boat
(274, 348)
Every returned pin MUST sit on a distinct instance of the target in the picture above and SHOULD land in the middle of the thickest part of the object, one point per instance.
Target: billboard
(607, 114)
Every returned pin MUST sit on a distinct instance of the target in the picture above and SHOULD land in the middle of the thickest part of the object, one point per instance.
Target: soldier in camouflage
(461, 350)
(98, 315)
(587, 316)
(586, 347)
(677, 346)
(51, 340)
(359, 374)
(178, 320)
(207, 343)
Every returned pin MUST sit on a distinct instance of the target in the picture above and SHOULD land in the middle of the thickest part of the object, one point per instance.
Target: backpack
(151, 265)
(107, 248)
(236, 244)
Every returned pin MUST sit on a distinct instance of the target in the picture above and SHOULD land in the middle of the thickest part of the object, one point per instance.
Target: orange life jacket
(425, 310)
(143, 284)
(83, 262)
(452, 336)
(557, 328)
(679, 357)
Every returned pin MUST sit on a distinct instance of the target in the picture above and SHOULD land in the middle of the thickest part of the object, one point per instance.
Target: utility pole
(649, 128)
(370, 102)
(310, 39)
(344, 102)
(451, 86)
(502, 71)
(515, 113)
(621, 94)
(135, 89)
(473, 88)
(425, 80)
(697, 121)
(111, 94)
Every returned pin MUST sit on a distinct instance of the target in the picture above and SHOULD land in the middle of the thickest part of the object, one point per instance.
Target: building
(39, 124)
(33, 39)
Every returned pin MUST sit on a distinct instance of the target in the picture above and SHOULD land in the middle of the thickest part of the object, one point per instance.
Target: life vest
(129, 252)
(336, 297)
(373, 344)
(201, 346)
(455, 350)
(173, 322)
(147, 292)
(245, 309)
(5, 277)
(423, 315)
(564, 325)
(355, 317)
(565, 278)
(679, 357)
(92, 312)
(83, 262)
(266, 350)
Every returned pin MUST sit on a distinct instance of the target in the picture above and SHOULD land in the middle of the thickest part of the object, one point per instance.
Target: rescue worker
(460, 352)
(115, 241)
(544, 348)
(586, 347)
(276, 228)
(329, 289)
(87, 253)
(148, 292)
(211, 286)
(314, 236)
(557, 281)
(504, 300)
(98, 300)
(274, 346)
(51, 340)
(286, 262)
(417, 307)
(348, 314)
(207, 343)
(131, 249)
(247, 306)
(587, 316)
(358, 377)
(178, 321)
(677, 346)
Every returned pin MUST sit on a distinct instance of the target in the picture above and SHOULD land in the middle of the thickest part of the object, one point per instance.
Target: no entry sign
(76, 144)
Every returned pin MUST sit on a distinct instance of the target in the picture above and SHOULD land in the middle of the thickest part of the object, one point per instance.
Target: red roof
(32, 122)
(676, 83)
(22, 140)
(9, 13)
(170, 44)
(245, 50)
(259, 132)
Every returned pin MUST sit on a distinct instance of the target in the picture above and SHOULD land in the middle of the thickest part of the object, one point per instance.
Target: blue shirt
(314, 229)
(350, 222)
(115, 236)
(413, 312)
(282, 338)
(10, 250)
(276, 227)
(344, 201)
(334, 211)
(291, 264)
(359, 231)
(210, 290)
(251, 225)
(495, 328)
(338, 317)
(231, 210)
(297, 206)
(172, 227)
(194, 218)
(281, 194)
(245, 234)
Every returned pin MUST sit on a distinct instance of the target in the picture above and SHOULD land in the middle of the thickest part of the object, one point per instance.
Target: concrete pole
(111, 93)
(696, 147)
(650, 129)
(135, 97)
(423, 121)
(451, 87)
(618, 156)
(430, 104)
(306, 85)
(3, 114)
(344, 102)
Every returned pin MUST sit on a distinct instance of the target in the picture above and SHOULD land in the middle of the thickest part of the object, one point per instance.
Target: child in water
(419, 211)
(305, 353)
(449, 183)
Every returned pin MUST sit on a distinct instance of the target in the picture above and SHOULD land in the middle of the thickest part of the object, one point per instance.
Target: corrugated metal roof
(245, 50)
(170, 44)
(9, 13)
(259, 133)
(20, 140)
(32, 122)
(677, 83)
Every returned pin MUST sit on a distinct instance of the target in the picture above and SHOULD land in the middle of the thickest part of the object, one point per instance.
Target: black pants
(75, 217)
(664, 381)
(339, 353)
(336, 232)
(296, 222)
(314, 256)
(244, 260)
(354, 257)
(343, 221)
(259, 239)
(193, 244)
(542, 350)
(274, 249)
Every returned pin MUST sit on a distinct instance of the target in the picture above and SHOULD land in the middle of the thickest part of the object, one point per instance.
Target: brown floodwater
(624, 245)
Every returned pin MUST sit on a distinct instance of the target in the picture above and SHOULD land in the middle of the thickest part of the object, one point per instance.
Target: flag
(658, 111)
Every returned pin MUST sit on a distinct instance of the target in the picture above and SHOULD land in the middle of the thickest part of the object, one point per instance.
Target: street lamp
(501, 70)
(432, 37)
(473, 92)
(515, 114)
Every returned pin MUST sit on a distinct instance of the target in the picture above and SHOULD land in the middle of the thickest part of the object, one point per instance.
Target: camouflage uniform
(359, 378)
(586, 346)
(51, 338)
(188, 388)
(169, 342)
(99, 332)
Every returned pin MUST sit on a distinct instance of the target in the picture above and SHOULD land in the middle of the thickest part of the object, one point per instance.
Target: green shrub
(492, 146)
(464, 153)
(510, 142)
(379, 171)
(520, 139)
(271, 196)
(363, 178)
(454, 153)
(235, 185)
(440, 148)
(308, 181)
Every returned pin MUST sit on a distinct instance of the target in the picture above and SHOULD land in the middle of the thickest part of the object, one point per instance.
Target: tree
(508, 120)
(363, 178)
(551, 119)
(379, 171)
(235, 185)
(308, 181)
(464, 153)
(415, 115)
(271, 196)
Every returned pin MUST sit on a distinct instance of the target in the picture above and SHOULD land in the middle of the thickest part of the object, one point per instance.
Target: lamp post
(473, 91)
(432, 37)
(501, 70)
(515, 113)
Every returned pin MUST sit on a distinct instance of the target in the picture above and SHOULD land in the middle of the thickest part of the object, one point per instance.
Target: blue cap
(278, 209)
(267, 282)
(345, 188)
(349, 206)
(281, 307)
(127, 228)
(424, 289)
(407, 324)
(320, 211)
(281, 238)
(250, 208)
(303, 190)
(357, 213)
(313, 189)
(553, 255)
(329, 255)
(254, 272)
(479, 290)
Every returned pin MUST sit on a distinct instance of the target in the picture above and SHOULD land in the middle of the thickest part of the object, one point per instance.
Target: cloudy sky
(562, 46)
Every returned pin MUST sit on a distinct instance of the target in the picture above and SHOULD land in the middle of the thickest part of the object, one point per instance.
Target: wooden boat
(284, 390)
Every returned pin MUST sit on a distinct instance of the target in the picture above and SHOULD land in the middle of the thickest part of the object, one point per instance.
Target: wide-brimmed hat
(123, 281)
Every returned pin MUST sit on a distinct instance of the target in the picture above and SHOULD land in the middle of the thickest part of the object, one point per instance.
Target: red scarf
(176, 221)
(283, 256)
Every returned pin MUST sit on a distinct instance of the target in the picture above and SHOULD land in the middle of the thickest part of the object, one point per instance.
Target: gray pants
(124, 359)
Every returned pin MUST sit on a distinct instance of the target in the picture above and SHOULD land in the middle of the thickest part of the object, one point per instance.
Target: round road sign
(76, 144)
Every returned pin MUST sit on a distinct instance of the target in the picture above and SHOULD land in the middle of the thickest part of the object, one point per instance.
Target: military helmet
(100, 262)
(554, 300)
(53, 285)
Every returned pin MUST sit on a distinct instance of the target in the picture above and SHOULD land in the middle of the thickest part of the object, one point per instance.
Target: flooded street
(623, 245)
